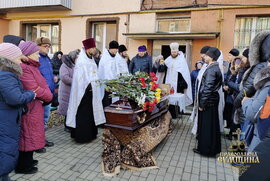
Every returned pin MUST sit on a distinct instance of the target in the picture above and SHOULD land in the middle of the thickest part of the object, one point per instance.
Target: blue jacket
(46, 70)
(142, 64)
(12, 97)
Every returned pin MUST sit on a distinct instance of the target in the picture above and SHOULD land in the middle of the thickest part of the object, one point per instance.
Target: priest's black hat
(245, 53)
(122, 48)
(113, 45)
(234, 52)
(213, 53)
(204, 49)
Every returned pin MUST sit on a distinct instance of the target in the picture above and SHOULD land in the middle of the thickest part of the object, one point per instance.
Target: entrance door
(166, 51)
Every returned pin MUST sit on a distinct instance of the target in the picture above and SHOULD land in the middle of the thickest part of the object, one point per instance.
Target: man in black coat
(209, 140)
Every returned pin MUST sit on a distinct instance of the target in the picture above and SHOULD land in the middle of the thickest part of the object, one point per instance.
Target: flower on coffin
(141, 100)
(139, 87)
(143, 84)
(153, 76)
(158, 94)
(154, 86)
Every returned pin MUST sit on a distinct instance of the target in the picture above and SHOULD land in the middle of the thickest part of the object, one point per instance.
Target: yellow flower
(158, 90)
(158, 99)
(157, 94)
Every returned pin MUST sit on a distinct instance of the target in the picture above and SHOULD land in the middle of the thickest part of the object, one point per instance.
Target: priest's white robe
(111, 67)
(175, 65)
(85, 72)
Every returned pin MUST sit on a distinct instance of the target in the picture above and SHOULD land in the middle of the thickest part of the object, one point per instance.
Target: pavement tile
(68, 160)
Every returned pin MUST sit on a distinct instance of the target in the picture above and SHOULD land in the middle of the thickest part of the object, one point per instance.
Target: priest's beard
(174, 56)
(112, 55)
(124, 56)
(89, 55)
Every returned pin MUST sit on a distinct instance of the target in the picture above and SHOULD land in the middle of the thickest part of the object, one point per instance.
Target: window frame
(173, 19)
(254, 29)
(90, 27)
(23, 26)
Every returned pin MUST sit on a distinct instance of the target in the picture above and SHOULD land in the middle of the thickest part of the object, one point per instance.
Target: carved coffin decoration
(126, 115)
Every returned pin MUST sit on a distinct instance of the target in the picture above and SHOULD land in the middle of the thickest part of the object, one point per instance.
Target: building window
(246, 28)
(104, 32)
(51, 31)
(173, 25)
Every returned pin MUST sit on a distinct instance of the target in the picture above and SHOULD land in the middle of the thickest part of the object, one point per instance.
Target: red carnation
(154, 79)
(152, 74)
(142, 82)
(154, 86)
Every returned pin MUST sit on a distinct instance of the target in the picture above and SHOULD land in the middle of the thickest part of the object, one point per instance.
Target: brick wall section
(160, 4)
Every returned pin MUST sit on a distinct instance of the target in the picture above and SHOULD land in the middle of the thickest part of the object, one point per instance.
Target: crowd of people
(234, 93)
(228, 93)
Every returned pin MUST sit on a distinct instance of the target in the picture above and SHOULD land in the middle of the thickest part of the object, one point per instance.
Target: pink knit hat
(9, 51)
(28, 48)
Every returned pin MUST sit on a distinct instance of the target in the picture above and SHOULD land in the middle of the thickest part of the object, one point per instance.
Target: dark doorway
(166, 51)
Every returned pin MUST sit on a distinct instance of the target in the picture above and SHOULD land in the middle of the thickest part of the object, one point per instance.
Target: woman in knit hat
(32, 136)
(12, 97)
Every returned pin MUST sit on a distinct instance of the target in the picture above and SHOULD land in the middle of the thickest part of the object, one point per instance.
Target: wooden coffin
(124, 114)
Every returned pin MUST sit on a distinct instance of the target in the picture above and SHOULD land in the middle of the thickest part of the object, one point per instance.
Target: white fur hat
(174, 46)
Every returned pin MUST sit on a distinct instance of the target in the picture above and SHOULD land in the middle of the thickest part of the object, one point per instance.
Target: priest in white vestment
(111, 66)
(85, 109)
(178, 75)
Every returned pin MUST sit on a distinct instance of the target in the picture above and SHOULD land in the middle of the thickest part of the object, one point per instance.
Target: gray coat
(262, 84)
(65, 74)
(251, 107)
(142, 64)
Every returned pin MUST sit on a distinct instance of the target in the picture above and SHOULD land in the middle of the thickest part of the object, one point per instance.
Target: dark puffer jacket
(142, 64)
(211, 83)
(258, 55)
(12, 97)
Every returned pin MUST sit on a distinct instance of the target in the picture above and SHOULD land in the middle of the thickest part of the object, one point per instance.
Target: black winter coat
(211, 83)
(247, 83)
(234, 85)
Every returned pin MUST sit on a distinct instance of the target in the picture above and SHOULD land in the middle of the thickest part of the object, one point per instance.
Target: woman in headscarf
(66, 74)
(57, 62)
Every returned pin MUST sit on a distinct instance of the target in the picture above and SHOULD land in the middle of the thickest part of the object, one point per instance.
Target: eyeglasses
(46, 46)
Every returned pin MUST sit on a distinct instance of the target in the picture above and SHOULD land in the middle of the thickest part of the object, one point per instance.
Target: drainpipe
(220, 26)
(127, 23)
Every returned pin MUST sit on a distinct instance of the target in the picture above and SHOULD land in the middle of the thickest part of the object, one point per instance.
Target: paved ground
(68, 160)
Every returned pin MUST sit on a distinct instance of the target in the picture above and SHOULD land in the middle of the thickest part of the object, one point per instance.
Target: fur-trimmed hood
(261, 78)
(9, 66)
(255, 46)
